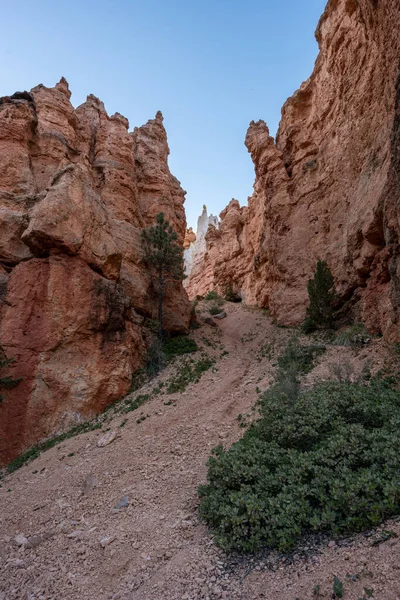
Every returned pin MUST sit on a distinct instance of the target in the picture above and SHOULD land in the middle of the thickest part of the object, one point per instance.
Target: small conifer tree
(321, 292)
(164, 257)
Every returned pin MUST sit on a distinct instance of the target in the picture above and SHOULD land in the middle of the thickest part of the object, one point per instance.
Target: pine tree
(6, 381)
(321, 292)
(164, 257)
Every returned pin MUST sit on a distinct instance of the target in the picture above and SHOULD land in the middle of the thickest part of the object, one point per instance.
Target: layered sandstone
(76, 189)
(329, 186)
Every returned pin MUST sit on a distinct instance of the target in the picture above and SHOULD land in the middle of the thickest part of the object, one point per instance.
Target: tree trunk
(160, 305)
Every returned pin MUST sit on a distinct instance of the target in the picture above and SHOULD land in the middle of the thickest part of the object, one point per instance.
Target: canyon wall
(329, 186)
(76, 190)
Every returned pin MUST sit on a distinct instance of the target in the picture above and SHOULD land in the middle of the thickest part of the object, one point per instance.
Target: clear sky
(210, 66)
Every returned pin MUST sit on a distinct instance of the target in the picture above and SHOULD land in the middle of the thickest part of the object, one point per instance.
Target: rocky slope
(329, 186)
(62, 535)
(76, 189)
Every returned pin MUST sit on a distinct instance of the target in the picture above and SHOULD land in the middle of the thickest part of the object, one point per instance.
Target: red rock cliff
(76, 189)
(330, 185)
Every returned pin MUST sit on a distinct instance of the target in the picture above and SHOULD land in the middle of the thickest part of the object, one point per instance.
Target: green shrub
(211, 295)
(328, 463)
(321, 293)
(134, 403)
(354, 336)
(191, 372)
(296, 360)
(214, 309)
(178, 346)
(302, 357)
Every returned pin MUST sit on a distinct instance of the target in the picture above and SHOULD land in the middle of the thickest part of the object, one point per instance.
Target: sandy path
(155, 548)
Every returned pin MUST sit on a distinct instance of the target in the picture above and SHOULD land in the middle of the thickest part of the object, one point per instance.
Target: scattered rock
(21, 540)
(221, 315)
(106, 541)
(89, 483)
(107, 438)
(124, 503)
(35, 540)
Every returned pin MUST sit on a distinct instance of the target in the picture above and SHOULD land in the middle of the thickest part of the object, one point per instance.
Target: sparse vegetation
(34, 452)
(354, 336)
(338, 589)
(214, 309)
(190, 372)
(321, 292)
(211, 295)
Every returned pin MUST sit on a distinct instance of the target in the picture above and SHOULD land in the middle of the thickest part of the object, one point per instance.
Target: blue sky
(211, 66)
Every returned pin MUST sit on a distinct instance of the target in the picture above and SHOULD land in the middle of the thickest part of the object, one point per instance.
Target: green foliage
(327, 463)
(321, 292)
(164, 257)
(6, 381)
(214, 309)
(338, 589)
(211, 295)
(302, 357)
(191, 372)
(34, 452)
(152, 325)
(354, 336)
(297, 360)
(178, 346)
(130, 404)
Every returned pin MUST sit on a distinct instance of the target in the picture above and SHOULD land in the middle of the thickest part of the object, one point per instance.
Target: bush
(211, 295)
(354, 336)
(178, 346)
(214, 309)
(321, 293)
(190, 372)
(328, 463)
(296, 361)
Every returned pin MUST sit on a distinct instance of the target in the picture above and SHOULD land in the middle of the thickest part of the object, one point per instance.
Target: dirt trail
(155, 548)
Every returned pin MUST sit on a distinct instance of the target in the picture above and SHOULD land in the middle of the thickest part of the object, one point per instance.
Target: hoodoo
(76, 189)
(329, 186)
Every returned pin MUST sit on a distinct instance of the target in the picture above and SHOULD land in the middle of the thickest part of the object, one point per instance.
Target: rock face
(76, 189)
(330, 185)
(199, 278)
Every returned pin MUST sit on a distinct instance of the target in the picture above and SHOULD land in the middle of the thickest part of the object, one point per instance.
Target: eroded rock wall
(329, 186)
(76, 189)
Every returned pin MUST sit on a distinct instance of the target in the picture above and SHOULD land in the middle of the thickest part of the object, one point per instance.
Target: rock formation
(330, 185)
(198, 277)
(76, 189)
